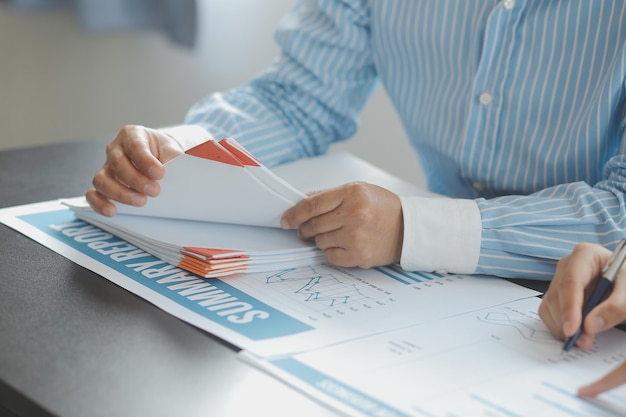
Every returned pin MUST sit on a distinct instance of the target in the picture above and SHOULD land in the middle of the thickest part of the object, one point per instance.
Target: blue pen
(603, 286)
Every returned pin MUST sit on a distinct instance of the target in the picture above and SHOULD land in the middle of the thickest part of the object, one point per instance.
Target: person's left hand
(357, 224)
(609, 381)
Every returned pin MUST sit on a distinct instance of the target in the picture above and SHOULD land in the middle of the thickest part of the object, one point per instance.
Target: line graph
(325, 291)
(319, 291)
(316, 286)
(526, 329)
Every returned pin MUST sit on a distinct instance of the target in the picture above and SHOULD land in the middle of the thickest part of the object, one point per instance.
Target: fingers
(561, 306)
(611, 380)
(611, 311)
(119, 180)
(551, 310)
(100, 203)
(353, 256)
(132, 168)
(315, 205)
(350, 246)
(135, 149)
(571, 295)
(357, 224)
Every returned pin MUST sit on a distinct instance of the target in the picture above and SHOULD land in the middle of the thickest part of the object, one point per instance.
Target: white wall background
(59, 84)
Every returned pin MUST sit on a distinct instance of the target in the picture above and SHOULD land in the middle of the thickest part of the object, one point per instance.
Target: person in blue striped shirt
(562, 304)
(516, 109)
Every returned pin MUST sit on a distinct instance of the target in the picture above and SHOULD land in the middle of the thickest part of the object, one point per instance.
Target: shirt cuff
(187, 136)
(440, 234)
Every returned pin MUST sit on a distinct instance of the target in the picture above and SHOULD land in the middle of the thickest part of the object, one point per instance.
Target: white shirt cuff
(440, 234)
(187, 136)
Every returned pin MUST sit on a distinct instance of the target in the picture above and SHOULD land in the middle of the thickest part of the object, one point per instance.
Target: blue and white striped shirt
(518, 105)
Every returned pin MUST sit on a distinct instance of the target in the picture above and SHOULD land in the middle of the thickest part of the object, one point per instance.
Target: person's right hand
(562, 305)
(134, 163)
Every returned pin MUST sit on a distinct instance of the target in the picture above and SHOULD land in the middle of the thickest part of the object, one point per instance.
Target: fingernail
(596, 325)
(153, 173)
(151, 190)
(138, 200)
(284, 224)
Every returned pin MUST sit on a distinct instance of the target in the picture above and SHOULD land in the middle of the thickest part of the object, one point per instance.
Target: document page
(211, 183)
(498, 361)
(273, 313)
(347, 303)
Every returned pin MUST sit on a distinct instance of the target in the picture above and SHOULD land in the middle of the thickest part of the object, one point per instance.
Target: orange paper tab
(211, 253)
(240, 152)
(215, 152)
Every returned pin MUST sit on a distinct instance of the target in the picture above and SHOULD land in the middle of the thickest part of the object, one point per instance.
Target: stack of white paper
(218, 212)
(208, 249)
(219, 182)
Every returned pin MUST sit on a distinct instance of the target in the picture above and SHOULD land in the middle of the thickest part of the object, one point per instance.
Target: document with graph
(219, 209)
(214, 201)
(497, 361)
(271, 313)
(284, 308)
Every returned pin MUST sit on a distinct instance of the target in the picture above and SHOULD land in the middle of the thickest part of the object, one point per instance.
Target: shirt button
(508, 4)
(478, 186)
(485, 99)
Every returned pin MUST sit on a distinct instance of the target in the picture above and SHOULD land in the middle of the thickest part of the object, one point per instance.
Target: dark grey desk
(74, 344)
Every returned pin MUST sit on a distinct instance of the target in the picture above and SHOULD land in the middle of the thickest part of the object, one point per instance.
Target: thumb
(612, 310)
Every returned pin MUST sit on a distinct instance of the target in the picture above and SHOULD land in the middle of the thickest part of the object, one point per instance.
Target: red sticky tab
(211, 253)
(240, 152)
(193, 268)
(215, 152)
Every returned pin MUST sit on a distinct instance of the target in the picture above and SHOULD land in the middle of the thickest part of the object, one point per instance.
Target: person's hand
(134, 163)
(611, 380)
(562, 305)
(357, 224)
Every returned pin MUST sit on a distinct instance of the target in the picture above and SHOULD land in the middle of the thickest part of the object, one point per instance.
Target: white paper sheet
(271, 313)
(196, 187)
(185, 242)
(499, 361)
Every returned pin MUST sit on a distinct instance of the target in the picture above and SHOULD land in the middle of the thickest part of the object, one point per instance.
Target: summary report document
(375, 342)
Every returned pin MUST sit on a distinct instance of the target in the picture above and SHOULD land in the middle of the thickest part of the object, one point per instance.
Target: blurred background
(64, 79)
